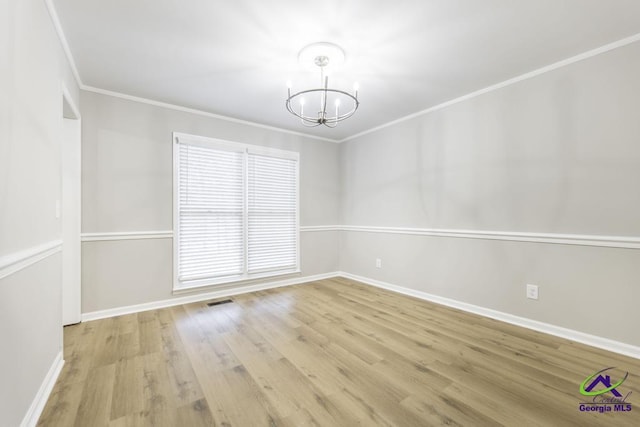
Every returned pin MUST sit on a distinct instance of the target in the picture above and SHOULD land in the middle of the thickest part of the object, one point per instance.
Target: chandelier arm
(290, 109)
(309, 121)
(302, 92)
(347, 114)
(305, 120)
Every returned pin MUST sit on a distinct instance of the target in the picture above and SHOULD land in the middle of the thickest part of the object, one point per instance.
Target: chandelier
(322, 105)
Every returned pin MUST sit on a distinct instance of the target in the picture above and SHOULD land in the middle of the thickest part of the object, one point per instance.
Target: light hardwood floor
(328, 353)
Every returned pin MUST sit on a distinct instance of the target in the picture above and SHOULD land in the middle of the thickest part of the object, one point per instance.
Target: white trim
(239, 147)
(581, 337)
(175, 200)
(200, 112)
(168, 234)
(570, 334)
(624, 242)
(246, 150)
(101, 314)
(12, 263)
(69, 99)
(298, 246)
(189, 286)
(74, 69)
(39, 401)
(126, 235)
(553, 238)
(314, 228)
(585, 55)
(53, 14)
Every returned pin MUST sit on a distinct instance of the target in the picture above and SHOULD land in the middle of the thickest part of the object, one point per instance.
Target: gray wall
(127, 187)
(555, 154)
(31, 76)
(558, 153)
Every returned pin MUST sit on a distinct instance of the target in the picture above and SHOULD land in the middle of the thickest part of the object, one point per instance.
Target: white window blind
(235, 211)
(272, 213)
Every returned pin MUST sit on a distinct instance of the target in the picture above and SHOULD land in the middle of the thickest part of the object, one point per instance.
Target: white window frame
(239, 147)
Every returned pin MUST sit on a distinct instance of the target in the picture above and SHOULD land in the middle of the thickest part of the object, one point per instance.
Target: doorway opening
(71, 211)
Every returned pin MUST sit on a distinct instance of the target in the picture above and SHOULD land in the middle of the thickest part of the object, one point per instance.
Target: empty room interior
(338, 213)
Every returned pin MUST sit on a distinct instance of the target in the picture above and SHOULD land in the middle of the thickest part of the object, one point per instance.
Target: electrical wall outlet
(378, 263)
(532, 291)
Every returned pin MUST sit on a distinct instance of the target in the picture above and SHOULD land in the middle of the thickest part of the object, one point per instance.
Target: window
(235, 211)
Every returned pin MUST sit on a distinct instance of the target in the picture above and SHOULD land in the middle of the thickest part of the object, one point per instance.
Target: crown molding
(53, 14)
(200, 112)
(585, 55)
(531, 74)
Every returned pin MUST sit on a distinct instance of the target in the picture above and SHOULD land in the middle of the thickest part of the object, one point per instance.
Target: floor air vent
(222, 301)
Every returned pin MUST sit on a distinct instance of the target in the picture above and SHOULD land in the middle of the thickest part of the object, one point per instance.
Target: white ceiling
(234, 58)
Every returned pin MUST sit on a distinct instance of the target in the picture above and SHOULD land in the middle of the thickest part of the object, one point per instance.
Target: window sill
(204, 284)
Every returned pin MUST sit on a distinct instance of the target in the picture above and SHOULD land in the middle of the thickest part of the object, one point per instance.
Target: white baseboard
(35, 410)
(581, 337)
(118, 311)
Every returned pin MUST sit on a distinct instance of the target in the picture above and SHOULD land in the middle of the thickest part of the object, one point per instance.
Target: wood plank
(95, 402)
(333, 352)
